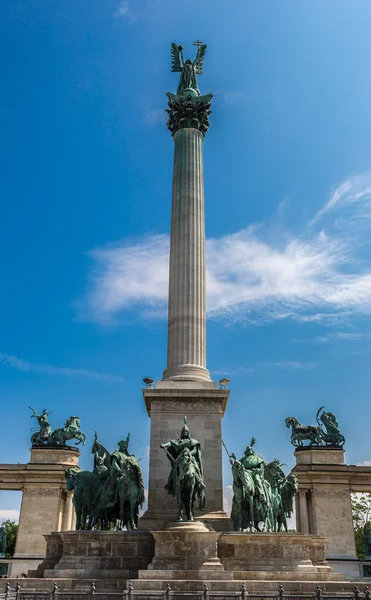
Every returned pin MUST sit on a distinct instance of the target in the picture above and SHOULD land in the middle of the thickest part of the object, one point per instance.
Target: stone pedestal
(46, 505)
(323, 504)
(185, 550)
(204, 407)
(96, 554)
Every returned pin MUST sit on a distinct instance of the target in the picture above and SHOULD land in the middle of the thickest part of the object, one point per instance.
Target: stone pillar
(67, 512)
(187, 291)
(42, 502)
(204, 409)
(324, 478)
(303, 514)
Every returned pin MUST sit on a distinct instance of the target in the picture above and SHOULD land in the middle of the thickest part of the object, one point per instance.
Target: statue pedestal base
(204, 406)
(184, 546)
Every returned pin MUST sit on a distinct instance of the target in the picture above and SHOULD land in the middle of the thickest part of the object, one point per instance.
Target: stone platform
(186, 556)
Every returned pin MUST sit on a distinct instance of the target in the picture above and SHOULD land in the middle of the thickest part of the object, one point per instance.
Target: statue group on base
(111, 495)
(326, 433)
(45, 436)
(262, 494)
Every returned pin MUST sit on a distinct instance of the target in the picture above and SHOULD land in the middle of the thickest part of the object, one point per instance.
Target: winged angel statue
(187, 69)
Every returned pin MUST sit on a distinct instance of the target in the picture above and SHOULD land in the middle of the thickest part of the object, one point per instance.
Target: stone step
(252, 586)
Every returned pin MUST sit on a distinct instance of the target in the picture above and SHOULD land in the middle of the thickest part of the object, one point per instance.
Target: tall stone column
(186, 358)
(186, 388)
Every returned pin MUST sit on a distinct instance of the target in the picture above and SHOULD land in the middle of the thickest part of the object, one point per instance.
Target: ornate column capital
(189, 111)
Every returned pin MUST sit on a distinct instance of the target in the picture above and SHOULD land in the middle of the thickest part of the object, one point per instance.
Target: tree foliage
(361, 511)
(11, 530)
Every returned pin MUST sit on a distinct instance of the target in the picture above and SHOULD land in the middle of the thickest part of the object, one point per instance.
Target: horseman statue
(110, 496)
(58, 437)
(262, 494)
(186, 480)
(122, 486)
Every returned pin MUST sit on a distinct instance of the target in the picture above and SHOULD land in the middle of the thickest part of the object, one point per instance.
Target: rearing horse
(70, 431)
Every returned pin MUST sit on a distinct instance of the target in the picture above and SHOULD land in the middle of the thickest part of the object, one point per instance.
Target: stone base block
(186, 546)
(265, 552)
(200, 574)
(100, 554)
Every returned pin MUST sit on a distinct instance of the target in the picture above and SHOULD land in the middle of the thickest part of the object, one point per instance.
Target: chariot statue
(185, 481)
(45, 436)
(326, 433)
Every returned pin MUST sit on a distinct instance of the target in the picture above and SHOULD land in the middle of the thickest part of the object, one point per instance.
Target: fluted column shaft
(187, 282)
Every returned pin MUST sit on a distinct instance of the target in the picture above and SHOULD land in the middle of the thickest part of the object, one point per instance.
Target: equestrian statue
(185, 481)
(262, 496)
(325, 433)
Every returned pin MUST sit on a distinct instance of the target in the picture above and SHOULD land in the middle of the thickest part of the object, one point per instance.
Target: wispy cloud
(22, 365)
(126, 11)
(289, 364)
(257, 275)
(229, 96)
(153, 116)
(337, 336)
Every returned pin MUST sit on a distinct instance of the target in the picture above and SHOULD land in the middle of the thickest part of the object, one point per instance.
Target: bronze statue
(262, 494)
(123, 487)
(2, 542)
(326, 433)
(185, 480)
(187, 69)
(58, 437)
(41, 436)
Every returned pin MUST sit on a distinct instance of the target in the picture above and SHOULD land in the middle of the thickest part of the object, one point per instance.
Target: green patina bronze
(110, 496)
(45, 436)
(2, 542)
(187, 108)
(326, 433)
(185, 482)
(187, 69)
(262, 494)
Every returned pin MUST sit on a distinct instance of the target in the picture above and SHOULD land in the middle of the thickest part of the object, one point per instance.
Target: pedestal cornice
(198, 397)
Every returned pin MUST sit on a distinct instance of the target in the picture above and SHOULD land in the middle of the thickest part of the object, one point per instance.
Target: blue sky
(86, 191)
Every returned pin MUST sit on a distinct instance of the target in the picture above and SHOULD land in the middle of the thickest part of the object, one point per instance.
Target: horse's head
(291, 422)
(70, 478)
(75, 421)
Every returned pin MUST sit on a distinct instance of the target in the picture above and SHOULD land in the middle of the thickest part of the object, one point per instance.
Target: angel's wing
(199, 60)
(175, 59)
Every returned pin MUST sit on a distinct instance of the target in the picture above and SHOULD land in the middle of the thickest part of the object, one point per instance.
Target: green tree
(361, 511)
(11, 530)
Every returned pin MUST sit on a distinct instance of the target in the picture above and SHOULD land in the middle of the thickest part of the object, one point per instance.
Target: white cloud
(337, 336)
(11, 514)
(126, 11)
(365, 463)
(153, 116)
(22, 365)
(256, 275)
(289, 364)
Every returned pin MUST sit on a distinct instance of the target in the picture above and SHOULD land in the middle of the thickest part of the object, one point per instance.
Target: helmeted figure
(181, 452)
(122, 490)
(255, 464)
